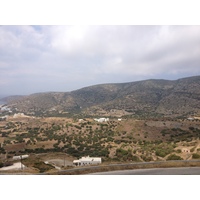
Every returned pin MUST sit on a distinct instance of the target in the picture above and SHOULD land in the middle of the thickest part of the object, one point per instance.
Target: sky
(68, 57)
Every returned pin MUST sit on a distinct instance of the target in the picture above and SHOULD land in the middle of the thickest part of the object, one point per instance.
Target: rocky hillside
(142, 98)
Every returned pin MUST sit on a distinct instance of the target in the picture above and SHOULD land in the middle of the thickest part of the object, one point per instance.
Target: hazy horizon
(7, 95)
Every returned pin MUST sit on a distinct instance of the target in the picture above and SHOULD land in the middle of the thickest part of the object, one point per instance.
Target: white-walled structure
(186, 150)
(16, 115)
(20, 157)
(87, 161)
(101, 119)
(15, 166)
(80, 120)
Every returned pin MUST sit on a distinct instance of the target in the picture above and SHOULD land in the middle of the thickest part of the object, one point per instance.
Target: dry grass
(15, 147)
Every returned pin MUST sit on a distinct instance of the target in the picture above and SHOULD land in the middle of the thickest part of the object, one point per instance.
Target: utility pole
(21, 163)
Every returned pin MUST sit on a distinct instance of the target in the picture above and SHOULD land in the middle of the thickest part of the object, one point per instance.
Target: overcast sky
(64, 58)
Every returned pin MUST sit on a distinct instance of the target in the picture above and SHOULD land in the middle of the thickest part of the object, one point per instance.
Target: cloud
(64, 58)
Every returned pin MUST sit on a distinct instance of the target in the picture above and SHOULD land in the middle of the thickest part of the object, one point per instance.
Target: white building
(190, 118)
(185, 150)
(16, 115)
(4, 117)
(20, 157)
(101, 119)
(87, 161)
(80, 120)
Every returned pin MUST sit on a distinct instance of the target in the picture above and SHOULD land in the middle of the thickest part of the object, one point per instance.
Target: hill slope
(149, 97)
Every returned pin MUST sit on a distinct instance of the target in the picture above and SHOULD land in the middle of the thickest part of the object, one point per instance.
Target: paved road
(155, 171)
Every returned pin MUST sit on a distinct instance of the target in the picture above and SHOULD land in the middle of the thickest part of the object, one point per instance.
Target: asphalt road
(155, 171)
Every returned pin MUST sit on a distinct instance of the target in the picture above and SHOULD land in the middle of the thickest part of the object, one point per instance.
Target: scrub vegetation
(129, 140)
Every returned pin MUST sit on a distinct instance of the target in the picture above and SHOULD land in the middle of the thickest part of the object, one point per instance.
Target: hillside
(129, 140)
(142, 98)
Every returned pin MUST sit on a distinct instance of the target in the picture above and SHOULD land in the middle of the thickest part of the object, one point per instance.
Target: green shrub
(178, 150)
(1, 164)
(121, 152)
(174, 157)
(192, 150)
(42, 166)
(195, 156)
(147, 158)
(135, 159)
(161, 153)
(191, 128)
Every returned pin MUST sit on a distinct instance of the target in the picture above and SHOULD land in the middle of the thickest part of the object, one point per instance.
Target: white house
(16, 115)
(20, 157)
(80, 120)
(185, 150)
(190, 118)
(87, 161)
(101, 119)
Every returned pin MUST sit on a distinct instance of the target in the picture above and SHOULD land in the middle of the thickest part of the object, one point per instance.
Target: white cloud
(70, 57)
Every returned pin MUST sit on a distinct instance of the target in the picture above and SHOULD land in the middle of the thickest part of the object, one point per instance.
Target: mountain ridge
(179, 97)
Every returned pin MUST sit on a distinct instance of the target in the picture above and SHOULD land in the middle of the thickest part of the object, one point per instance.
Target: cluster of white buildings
(87, 161)
(5, 108)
